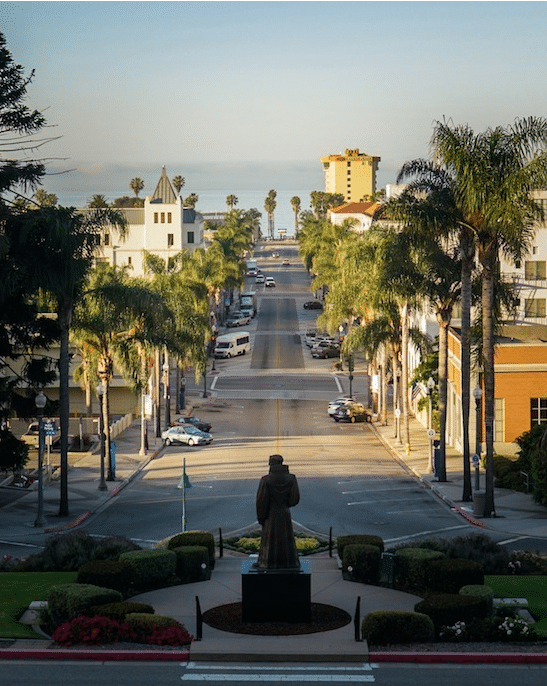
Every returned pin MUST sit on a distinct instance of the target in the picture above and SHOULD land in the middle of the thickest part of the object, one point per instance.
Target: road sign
(50, 427)
(475, 459)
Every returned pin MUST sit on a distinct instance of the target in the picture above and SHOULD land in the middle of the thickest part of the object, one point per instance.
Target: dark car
(196, 421)
(352, 412)
(313, 305)
(324, 349)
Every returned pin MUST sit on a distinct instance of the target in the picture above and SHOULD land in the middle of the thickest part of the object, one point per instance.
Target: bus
(232, 344)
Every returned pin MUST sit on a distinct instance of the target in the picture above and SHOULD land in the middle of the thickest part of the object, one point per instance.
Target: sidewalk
(516, 515)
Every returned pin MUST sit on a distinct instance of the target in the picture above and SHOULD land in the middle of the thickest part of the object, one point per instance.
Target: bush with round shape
(362, 563)
(411, 566)
(158, 629)
(119, 610)
(192, 563)
(479, 591)
(111, 547)
(385, 627)
(445, 609)
(204, 538)
(363, 539)
(117, 574)
(66, 601)
(448, 576)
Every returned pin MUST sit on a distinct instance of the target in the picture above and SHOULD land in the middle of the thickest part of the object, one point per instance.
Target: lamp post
(100, 394)
(350, 368)
(477, 394)
(167, 392)
(40, 401)
(430, 432)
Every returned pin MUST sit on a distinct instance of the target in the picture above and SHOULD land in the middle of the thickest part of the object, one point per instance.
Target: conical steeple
(164, 192)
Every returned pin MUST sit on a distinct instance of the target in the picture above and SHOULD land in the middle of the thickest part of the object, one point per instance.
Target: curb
(102, 655)
(447, 658)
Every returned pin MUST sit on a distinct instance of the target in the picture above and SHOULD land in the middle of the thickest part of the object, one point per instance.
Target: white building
(163, 227)
(361, 212)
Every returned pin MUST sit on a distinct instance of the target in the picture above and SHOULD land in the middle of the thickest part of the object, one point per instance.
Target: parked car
(195, 421)
(313, 305)
(259, 278)
(238, 319)
(270, 282)
(31, 436)
(186, 433)
(325, 349)
(286, 263)
(352, 412)
(335, 404)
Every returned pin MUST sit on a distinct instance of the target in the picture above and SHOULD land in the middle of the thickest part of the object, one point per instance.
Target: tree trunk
(467, 251)
(404, 375)
(443, 391)
(64, 315)
(489, 264)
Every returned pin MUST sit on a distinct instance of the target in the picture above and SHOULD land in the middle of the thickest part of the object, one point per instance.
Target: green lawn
(533, 588)
(18, 590)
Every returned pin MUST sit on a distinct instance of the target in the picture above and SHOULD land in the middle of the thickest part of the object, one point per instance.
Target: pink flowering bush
(92, 631)
(169, 636)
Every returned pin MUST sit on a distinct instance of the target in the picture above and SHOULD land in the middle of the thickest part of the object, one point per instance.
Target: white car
(335, 404)
(270, 282)
(187, 433)
(259, 278)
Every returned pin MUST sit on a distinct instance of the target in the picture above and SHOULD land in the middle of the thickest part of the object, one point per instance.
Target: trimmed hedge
(143, 622)
(362, 562)
(151, 568)
(203, 538)
(192, 563)
(448, 576)
(384, 627)
(445, 609)
(66, 601)
(108, 574)
(362, 539)
(411, 566)
(118, 611)
(479, 591)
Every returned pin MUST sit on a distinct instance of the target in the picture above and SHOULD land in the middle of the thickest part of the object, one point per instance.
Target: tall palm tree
(136, 185)
(191, 200)
(178, 183)
(231, 201)
(68, 244)
(269, 205)
(495, 173)
(296, 205)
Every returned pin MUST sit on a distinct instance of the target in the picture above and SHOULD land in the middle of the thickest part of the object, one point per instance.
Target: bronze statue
(277, 492)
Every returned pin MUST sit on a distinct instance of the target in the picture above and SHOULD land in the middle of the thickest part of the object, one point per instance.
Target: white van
(232, 344)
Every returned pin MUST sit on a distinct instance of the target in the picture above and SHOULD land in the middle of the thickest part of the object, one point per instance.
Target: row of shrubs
(456, 603)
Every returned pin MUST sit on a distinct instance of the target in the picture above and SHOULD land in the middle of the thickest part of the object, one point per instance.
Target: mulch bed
(228, 618)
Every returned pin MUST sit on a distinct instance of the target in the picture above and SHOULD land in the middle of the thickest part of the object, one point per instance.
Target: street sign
(50, 427)
(475, 459)
(397, 413)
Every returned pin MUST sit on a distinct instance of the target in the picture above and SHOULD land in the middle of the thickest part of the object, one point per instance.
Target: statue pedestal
(276, 595)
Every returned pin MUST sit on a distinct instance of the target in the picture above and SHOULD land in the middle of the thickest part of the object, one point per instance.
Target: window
(129, 260)
(538, 411)
(163, 217)
(534, 270)
(107, 239)
(170, 240)
(156, 216)
(534, 307)
(499, 420)
(169, 217)
(190, 237)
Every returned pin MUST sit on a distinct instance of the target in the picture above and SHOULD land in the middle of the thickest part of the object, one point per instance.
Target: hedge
(192, 563)
(384, 627)
(445, 609)
(363, 539)
(448, 576)
(362, 562)
(151, 568)
(66, 601)
(204, 538)
(118, 611)
(411, 566)
(108, 574)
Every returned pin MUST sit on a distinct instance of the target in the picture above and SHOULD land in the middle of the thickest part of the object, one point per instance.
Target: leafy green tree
(191, 201)
(13, 452)
(178, 183)
(127, 201)
(136, 185)
(44, 199)
(97, 202)
(321, 202)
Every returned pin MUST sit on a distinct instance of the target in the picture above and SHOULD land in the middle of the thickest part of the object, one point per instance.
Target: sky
(238, 96)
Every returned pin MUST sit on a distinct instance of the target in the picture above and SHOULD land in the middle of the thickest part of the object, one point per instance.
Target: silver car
(188, 434)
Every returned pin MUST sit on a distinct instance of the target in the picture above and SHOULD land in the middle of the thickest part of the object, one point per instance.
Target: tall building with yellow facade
(352, 174)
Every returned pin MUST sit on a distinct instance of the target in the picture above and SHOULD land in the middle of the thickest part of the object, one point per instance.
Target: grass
(18, 590)
(533, 588)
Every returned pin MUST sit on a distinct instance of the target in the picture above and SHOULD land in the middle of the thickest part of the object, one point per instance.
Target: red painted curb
(477, 658)
(103, 655)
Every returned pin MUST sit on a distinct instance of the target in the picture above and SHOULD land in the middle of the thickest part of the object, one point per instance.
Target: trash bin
(479, 501)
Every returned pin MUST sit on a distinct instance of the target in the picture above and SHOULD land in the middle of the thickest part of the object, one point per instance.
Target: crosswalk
(264, 672)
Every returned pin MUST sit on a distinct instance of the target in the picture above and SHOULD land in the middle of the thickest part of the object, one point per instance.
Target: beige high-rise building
(352, 174)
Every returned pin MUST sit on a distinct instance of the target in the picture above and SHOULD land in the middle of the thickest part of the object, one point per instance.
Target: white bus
(232, 344)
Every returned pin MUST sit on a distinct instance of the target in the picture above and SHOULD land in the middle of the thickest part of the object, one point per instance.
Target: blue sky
(208, 87)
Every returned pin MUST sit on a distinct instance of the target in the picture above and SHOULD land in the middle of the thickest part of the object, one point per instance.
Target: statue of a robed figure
(277, 493)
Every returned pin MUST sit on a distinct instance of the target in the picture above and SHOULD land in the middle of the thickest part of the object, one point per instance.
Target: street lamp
(167, 392)
(350, 368)
(40, 401)
(430, 432)
(100, 395)
(477, 394)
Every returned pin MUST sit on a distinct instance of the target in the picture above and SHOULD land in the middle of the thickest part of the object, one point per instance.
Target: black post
(199, 621)
(357, 620)
(220, 544)
(102, 483)
(330, 542)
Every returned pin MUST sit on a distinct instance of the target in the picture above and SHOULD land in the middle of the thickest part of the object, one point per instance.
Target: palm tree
(495, 173)
(296, 205)
(97, 202)
(191, 201)
(136, 185)
(269, 205)
(231, 201)
(178, 183)
(68, 245)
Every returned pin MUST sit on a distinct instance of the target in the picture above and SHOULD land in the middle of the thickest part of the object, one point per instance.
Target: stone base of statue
(276, 595)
